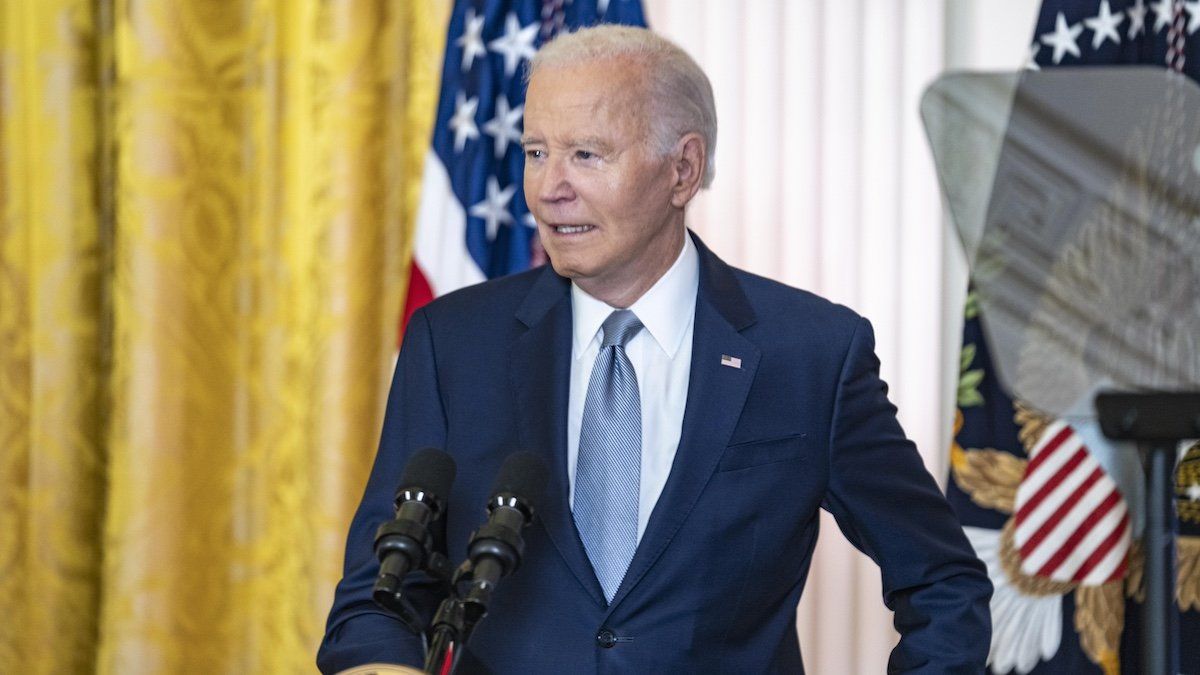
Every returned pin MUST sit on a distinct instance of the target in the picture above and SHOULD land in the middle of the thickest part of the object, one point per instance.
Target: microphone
(494, 551)
(496, 548)
(405, 544)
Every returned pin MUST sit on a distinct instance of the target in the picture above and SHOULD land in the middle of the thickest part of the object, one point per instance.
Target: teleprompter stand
(1157, 422)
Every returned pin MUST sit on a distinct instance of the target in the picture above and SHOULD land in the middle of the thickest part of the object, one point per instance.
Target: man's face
(595, 181)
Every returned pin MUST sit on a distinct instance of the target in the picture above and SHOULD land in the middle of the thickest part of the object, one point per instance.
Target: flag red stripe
(1055, 480)
(419, 295)
(1069, 545)
(1059, 438)
(1102, 552)
(1060, 513)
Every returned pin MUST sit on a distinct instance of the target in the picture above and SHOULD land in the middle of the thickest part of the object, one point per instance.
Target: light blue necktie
(608, 470)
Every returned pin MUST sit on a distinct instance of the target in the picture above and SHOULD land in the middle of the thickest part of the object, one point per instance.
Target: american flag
(1069, 521)
(472, 222)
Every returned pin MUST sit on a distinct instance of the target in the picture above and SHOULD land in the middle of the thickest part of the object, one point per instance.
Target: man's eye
(533, 153)
(584, 154)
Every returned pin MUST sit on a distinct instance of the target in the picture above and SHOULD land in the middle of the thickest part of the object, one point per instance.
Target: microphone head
(431, 470)
(522, 475)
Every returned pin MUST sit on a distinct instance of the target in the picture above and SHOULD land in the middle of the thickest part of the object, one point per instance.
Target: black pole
(449, 625)
(435, 661)
(1158, 614)
(1157, 421)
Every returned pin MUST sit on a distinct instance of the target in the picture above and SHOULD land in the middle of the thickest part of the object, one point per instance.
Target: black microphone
(494, 551)
(496, 548)
(405, 543)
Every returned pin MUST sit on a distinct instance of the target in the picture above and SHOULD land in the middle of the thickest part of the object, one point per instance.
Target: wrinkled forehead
(610, 91)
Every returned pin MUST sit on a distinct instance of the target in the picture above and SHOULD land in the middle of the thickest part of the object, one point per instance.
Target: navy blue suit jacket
(803, 424)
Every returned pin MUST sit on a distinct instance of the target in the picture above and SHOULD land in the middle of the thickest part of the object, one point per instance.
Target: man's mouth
(573, 229)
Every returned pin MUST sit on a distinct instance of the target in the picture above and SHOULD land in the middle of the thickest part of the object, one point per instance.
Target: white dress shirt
(661, 354)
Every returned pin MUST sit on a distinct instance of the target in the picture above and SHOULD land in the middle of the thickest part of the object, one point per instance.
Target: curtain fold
(191, 390)
(52, 393)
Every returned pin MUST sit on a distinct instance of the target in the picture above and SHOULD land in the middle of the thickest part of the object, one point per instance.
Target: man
(694, 418)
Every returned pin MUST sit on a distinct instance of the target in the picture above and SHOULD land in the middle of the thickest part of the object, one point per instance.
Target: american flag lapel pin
(731, 361)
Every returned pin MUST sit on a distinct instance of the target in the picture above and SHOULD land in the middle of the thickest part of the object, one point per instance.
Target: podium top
(380, 669)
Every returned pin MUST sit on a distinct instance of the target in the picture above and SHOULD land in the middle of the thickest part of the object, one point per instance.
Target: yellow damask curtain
(205, 208)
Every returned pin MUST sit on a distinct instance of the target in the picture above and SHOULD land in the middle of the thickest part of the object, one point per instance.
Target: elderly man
(694, 418)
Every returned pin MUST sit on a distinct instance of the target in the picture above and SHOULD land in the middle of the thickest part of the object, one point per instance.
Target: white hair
(679, 91)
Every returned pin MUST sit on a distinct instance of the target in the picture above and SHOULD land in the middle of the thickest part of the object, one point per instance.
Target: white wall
(824, 181)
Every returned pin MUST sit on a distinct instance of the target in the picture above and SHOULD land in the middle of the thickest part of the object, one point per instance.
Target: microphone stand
(495, 551)
(449, 627)
(453, 623)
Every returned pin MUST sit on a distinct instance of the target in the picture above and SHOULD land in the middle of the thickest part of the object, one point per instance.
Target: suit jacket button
(606, 639)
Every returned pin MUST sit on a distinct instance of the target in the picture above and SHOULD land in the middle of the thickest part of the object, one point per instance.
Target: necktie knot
(619, 328)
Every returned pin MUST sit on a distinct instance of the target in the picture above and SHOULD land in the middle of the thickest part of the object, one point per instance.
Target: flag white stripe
(1090, 542)
(1105, 568)
(1065, 527)
(1051, 430)
(1062, 494)
(440, 249)
(1035, 480)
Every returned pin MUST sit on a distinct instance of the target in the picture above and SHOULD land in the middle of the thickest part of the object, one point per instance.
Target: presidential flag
(1052, 525)
(472, 222)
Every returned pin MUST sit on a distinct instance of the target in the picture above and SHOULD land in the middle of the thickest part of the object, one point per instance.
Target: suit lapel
(540, 373)
(716, 394)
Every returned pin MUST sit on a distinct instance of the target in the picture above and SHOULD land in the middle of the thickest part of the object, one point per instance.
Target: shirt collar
(665, 310)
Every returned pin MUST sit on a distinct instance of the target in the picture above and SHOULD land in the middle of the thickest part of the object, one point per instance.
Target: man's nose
(555, 184)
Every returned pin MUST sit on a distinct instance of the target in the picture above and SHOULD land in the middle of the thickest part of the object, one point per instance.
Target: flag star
(503, 127)
(463, 122)
(1104, 25)
(1031, 63)
(1193, 492)
(494, 207)
(516, 43)
(601, 8)
(1193, 8)
(1162, 14)
(472, 39)
(1063, 38)
(529, 221)
(1137, 19)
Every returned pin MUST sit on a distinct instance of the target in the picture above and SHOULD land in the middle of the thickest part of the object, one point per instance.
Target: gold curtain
(205, 209)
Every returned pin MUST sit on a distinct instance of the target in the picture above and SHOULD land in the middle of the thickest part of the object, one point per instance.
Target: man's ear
(689, 158)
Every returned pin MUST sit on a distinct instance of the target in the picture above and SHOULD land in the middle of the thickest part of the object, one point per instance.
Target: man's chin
(563, 268)
(567, 263)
